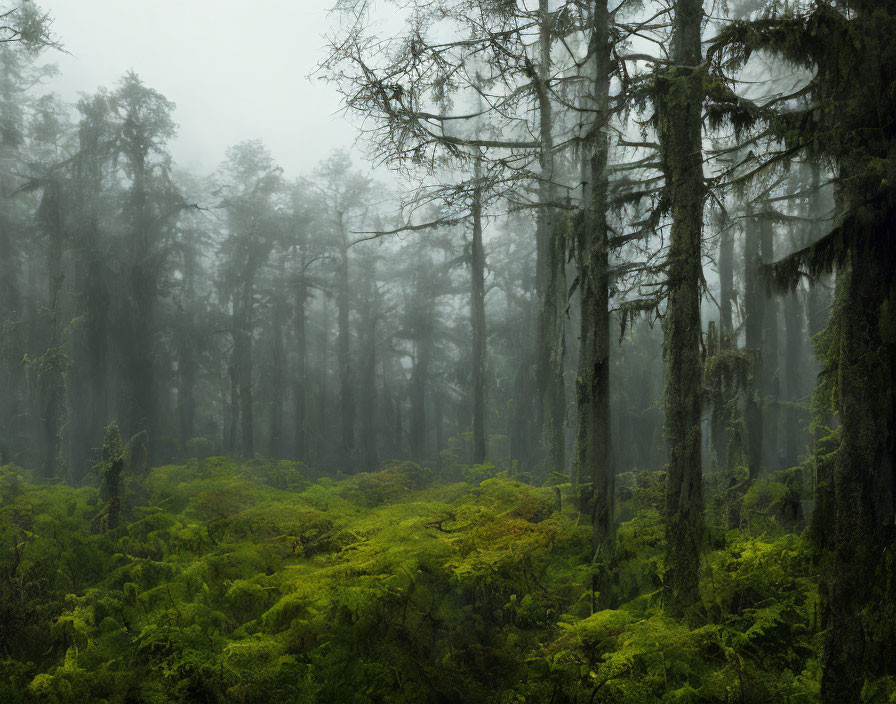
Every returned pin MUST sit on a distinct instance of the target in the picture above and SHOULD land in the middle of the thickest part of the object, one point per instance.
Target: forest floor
(259, 582)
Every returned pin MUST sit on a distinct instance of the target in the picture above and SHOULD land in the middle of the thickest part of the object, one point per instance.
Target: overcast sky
(237, 69)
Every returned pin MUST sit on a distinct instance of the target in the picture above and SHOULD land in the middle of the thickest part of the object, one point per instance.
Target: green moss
(383, 588)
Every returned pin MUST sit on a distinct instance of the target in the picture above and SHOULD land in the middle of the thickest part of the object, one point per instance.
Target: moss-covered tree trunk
(858, 642)
(550, 268)
(593, 447)
(679, 101)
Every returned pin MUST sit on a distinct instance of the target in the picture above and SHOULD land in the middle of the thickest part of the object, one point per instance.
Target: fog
(447, 352)
(236, 70)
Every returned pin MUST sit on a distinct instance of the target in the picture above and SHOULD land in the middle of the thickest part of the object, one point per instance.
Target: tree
(346, 194)
(250, 181)
(143, 126)
(679, 100)
(847, 120)
(594, 461)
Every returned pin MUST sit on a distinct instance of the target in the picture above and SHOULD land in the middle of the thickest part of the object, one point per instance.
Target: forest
(572, 381)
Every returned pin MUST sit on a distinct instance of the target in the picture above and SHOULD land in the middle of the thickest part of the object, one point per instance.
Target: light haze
(236, 70)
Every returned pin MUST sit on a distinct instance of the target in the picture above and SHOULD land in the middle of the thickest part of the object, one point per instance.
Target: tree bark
(278, 365)
(301, 297)
(243, 364)
(794, 435)
(477, 312)
(863, 474)
(769, 382)
(550, 270)
(753, 326)
(678, 116)
(346, 382)
(367, 374)
(593, 431)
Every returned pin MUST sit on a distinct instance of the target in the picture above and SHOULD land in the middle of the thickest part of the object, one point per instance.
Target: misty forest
(572, 381)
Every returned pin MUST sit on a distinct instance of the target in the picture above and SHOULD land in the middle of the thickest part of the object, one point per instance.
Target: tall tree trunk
(859, 585)
(51, 366)
(140, 357)
(864, 484)
(679, 116)
(439, 424)
(769, 383)
(550, 269)
(794, 436)
(278, 365)
(186, 384)
(186, 353)
(301, 297)
(593, 446)
(367, 374)
(231, 441)
(419, 377)
(477, 311)
(753, 325)
(346, 382)
(323, 401)
(726, 282)
(89, 382)
(721, 440)
(244, 327)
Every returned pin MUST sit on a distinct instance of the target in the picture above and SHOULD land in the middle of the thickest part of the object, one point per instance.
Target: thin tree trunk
(301, 354)
(721, 440)
(417, 429)
(323, 401)
(769, 383)
(278, 367)
(477, 310)
(367, 373)
(186, 357)
(726, 283)
(794, 435)
(243, 330)
(753, 325)
(346, 382)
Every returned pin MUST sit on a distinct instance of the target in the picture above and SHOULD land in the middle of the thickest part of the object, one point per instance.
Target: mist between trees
(638, 252)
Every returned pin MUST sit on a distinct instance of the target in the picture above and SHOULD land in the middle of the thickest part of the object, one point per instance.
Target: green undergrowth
(259, 582)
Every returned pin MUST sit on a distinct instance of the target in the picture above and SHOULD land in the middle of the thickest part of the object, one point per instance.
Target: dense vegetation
(260, 582)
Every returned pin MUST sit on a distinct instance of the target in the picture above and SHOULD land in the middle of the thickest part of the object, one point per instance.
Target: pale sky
(236, 70)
